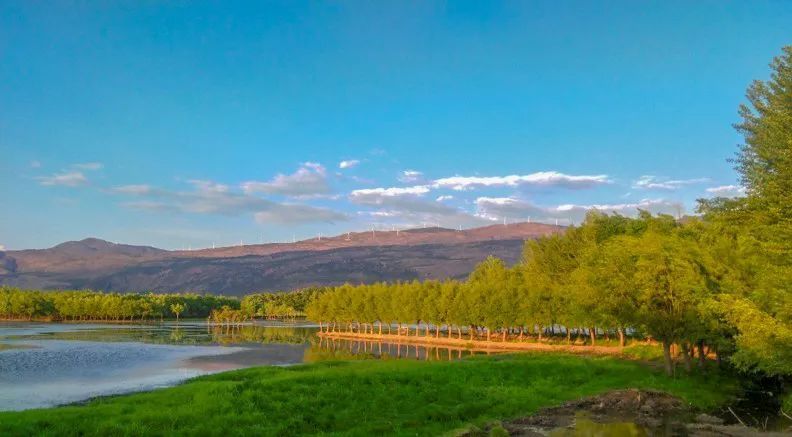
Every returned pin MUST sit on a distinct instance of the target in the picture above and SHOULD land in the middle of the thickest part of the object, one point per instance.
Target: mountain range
(424, 253)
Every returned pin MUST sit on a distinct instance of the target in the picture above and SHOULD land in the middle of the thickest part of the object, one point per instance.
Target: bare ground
(655, 414)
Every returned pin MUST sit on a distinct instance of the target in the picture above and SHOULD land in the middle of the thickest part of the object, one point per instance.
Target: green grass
(644, 352)
(361, 398)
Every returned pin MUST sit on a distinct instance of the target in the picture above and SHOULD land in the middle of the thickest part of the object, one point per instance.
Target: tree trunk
(470, 331)
(593, 334)
(621, 337)
(437, 331)
(380, 328)
(504, 335)
(669, 364)
(686, 356)
(702, 357)
(569, 336)
(459, 332)
(541, 329)
(489, 333)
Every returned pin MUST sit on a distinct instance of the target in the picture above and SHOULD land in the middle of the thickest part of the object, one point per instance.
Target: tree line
(647, 276)
(80, 305)
(720, 282)
(280, 305)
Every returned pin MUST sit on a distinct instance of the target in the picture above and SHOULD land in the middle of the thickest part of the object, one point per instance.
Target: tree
(670, 286)
(177, 309)
(760, 223)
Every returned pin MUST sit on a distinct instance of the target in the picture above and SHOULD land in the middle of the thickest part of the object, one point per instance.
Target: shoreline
(477, 345)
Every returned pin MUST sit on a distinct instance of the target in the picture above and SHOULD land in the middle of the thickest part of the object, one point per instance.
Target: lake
(47, 364)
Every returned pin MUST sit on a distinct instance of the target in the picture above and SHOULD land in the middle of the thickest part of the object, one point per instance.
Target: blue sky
(183, 124)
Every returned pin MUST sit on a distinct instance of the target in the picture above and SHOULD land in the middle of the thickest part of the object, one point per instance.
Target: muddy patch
(620, 413)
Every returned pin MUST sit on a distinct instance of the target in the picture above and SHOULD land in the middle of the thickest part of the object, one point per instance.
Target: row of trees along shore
(86, 305)
(18, 304)
(721, 281)
(651, 276)
(270, 306)
(283, 305)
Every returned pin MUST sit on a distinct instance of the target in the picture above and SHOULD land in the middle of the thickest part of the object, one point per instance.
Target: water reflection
(60, 363)
(327, 348)
(585, 427)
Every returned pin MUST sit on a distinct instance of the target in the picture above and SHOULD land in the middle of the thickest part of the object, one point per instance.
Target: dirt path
(476, 345)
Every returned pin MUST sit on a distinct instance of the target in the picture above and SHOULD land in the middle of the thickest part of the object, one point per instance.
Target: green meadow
(397, 397)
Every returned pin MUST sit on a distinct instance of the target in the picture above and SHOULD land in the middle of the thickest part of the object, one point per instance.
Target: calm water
(46, 364)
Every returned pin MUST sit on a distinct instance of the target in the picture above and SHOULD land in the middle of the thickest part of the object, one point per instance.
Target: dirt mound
(621, 412)
(650, 409)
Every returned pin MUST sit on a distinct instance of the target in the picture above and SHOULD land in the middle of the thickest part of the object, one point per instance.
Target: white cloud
(372, 193)
(727, 191)
(407, 206)
(89, 166)
(444, 198)
(66, 179)
(649, 182)
(350, 163)
(539, 179)
(499, 207)
(2, 247)
(309, 180)
(138, 190)
(206, 186)
(292, 213)
(209, 197)
(411, 176)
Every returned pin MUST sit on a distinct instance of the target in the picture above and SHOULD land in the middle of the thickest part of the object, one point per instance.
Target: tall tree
(760, 224)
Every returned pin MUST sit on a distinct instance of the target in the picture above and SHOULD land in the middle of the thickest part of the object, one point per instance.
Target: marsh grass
(362, 397)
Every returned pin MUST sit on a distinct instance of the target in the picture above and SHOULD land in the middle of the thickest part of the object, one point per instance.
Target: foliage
(227, 315)
(613, 274)
(288, 305)
(755, 231)
(93, 305)
(397, 397)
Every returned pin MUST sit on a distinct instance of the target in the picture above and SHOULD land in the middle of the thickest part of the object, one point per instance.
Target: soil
(644, 412)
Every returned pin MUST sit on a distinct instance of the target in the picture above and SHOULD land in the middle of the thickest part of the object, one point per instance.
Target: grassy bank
(361, 398)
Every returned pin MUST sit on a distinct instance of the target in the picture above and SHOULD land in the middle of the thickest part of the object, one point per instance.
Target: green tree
(177, 309)
(670, 286)
(759, 224)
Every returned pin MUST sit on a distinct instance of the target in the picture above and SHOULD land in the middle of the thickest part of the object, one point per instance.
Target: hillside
(355, 257)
